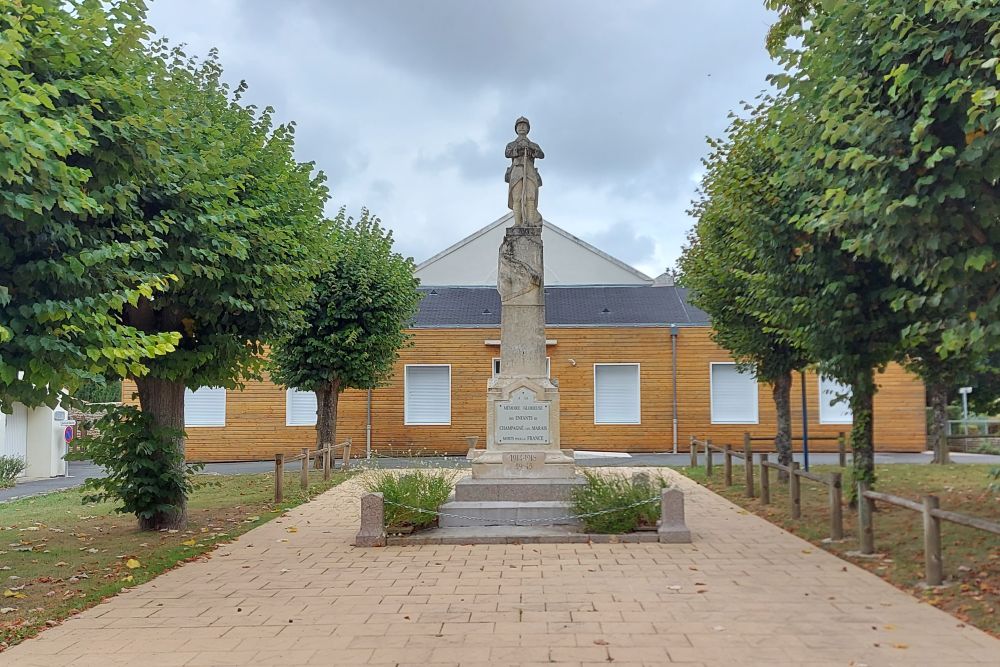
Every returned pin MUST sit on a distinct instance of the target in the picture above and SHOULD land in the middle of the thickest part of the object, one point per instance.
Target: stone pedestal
(523, 477)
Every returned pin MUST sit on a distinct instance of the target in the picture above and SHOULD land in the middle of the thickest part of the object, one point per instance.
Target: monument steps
(459, 513)
(525, 490)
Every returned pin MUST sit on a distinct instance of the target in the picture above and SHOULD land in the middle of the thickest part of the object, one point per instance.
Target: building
(636, 366)
(37, 436)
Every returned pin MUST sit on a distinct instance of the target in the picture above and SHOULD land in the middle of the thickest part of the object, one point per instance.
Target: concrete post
(694, 453)
(933, 569)
(372, 532)
(842, 449)
(347, 456)
(708, 457)
(673, 529)
(327, 453)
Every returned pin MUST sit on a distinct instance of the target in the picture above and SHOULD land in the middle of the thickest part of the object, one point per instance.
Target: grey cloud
(624, 242)
(407, 105)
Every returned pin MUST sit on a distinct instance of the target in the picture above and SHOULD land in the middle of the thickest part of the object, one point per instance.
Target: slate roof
(633, 305)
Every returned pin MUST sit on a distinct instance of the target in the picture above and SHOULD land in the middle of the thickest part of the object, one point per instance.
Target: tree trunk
(781, 390)
(326, 414)
(863, 431)
(937, 392)
(164, 401)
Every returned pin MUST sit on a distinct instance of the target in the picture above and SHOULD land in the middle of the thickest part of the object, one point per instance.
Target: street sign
(68, 434)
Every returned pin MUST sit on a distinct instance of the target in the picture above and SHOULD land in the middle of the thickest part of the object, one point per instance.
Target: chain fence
(524, 522)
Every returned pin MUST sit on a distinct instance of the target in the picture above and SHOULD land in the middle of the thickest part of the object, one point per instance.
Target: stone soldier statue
(524, 180)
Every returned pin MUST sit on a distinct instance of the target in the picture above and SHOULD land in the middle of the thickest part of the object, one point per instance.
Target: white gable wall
(472, 262)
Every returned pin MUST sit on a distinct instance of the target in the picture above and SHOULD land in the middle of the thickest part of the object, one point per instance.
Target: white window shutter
(616, 394)
(734, 395)
(427, 394)
(205, 406)
(831, 412)
(300, 408)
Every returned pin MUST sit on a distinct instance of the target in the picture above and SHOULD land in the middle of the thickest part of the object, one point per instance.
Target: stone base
(505, 513)
(517, 490)
(540, 464)
(516, 535)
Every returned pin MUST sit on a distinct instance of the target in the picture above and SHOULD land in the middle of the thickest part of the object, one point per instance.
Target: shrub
(995, 475)
(988, 448)
(422, 489)
(617, 492)
(10, 468)
(146, 471)
(100, 391)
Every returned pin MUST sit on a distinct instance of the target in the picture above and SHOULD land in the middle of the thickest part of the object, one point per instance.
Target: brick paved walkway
(744, 593)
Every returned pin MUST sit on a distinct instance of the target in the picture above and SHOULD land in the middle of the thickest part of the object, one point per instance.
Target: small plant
(423, 489)
(995, 476)
(988, 448)
(146, 471)
(626, 496)
(10, 468)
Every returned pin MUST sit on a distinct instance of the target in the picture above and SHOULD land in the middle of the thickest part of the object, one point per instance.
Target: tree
(354, 324)
(741, 232)
(75, 134)
(902, 99)
(238, 220)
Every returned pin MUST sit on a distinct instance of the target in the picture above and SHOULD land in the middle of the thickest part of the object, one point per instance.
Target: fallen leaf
(901, 646)
(601, 642)
(292, 529)
(132, 564)
(11, 594)
(7, 610)
(189, 543)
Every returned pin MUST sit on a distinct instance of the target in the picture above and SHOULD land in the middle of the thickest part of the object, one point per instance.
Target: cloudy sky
(407, 105)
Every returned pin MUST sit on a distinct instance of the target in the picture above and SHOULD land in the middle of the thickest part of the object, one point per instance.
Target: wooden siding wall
(255, 417)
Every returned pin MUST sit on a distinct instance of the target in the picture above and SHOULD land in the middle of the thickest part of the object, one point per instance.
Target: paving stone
(512, 604)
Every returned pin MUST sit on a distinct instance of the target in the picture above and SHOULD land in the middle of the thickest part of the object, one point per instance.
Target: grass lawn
(971, 557)
(58, 556)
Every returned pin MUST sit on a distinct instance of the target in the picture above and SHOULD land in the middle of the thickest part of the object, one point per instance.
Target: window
(832, 411)
(548, 366)
(616, 394)
(205, 406)
(300, 408)
(734, 395)
(427, 394)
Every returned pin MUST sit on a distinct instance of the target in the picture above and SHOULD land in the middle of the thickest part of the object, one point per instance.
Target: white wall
(568, 261)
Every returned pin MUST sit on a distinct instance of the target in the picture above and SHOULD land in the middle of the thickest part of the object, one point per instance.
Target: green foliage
(742, 233)
(238, 218)
(995, 475)
(423, 489)
(898, 120)
(626, 496)
(10, 468)
(99, 390)
(146, 473)
(354, 323)
(78, 127)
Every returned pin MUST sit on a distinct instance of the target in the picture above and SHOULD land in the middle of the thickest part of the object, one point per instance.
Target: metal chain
(521, 522)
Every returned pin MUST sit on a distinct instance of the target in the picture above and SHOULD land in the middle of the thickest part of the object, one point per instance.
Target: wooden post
(304, 476)
(795, 491)
(748, 466)
(865, 529)
(727, 465)
(708, 457)
(842, 449)
(836, 507)
(933, 570)
(694, 453)
(327, 454)
(765, 480)
(279, 477)
(347, 456)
